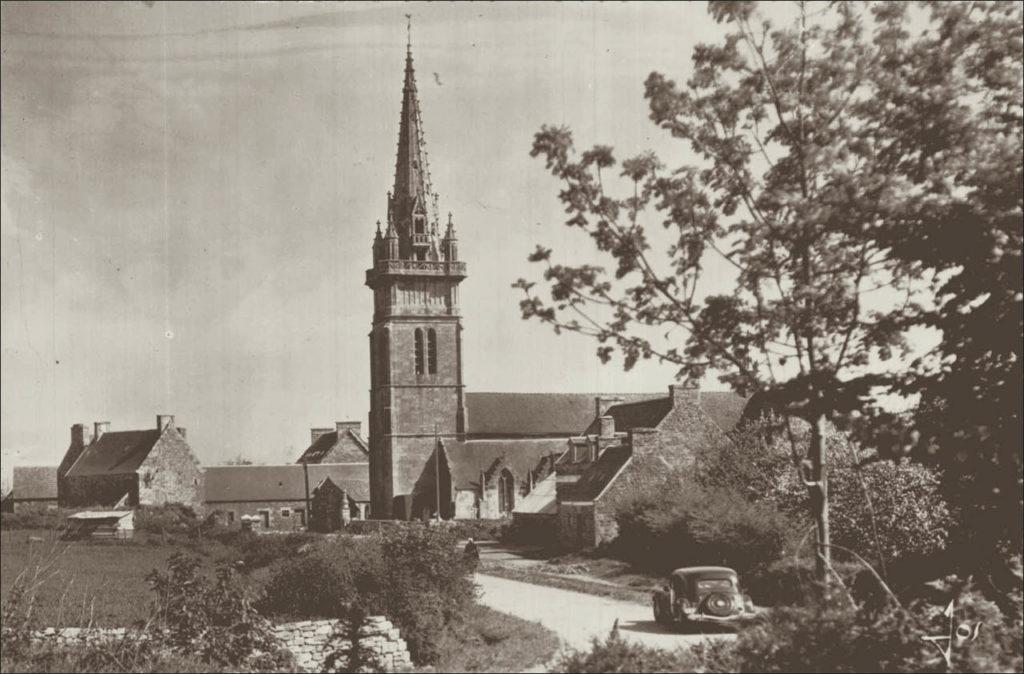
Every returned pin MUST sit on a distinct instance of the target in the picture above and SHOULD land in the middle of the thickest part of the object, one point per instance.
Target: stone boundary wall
(309, 641)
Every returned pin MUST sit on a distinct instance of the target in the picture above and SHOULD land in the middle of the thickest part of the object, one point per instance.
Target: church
(436, 449)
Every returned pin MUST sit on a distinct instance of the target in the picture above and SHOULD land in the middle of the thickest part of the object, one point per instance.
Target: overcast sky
(190, 191)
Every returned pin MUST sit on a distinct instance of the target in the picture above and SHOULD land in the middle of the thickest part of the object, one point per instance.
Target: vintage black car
(702, 594)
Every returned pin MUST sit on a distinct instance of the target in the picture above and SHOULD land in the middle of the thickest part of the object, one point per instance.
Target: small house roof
(115, 453)
(323, 445)
(283, 483)
(34, 483)
(597, 475)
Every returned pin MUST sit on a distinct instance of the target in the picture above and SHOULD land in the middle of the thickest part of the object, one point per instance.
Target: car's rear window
(714, 584)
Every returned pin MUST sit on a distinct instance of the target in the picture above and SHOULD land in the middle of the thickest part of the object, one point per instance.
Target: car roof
(714, 571)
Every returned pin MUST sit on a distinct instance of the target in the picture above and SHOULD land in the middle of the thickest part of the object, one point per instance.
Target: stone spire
(412, 199)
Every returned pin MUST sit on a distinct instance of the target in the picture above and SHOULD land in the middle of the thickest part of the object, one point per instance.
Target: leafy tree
(959, 88)
(798, 169)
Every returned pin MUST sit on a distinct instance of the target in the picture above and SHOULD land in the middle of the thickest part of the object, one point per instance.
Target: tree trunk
(817, 455)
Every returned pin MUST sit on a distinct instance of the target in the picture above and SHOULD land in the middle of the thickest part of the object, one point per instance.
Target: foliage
(480, 530)
(256, 551)
(413, 574)
(325, 581)
(218, 621)
(489, 641)
(838, 156)
(533, 531)
(426, 586)
(884, 511)
(171, 518)
(683, 524)
(790, 581)
(29, 516)
(615, 654)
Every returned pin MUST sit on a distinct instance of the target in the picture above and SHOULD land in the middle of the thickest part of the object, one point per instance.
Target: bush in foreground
(685, 524)
(415, 575)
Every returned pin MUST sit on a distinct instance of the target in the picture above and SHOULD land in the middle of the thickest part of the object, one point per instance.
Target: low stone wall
(311, 642)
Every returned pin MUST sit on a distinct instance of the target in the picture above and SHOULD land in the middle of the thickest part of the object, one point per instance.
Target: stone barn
(152, 466)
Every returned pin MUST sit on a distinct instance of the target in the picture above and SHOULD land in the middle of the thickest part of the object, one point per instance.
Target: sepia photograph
(352, 336)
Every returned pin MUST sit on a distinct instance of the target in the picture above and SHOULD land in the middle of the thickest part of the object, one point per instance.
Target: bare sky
(190, 191)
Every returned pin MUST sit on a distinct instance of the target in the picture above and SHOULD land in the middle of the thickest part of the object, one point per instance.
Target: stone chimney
(344, 426)
(163, 421)
(643, 441)
(99, 428)
(607, 426)
(317, 433)
(605, 438)
(80, 435)
(602, 403)
(683, 394)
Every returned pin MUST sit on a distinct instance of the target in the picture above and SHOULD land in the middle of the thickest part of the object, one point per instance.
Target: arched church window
(420, 224)
(431, 351)
(419, 351)
(506, 492)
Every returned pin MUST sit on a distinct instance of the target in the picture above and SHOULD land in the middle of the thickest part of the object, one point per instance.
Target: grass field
(82, 582)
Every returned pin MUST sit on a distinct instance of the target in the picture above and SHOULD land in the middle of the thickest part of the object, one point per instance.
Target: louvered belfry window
(431, 351)
(419, 351)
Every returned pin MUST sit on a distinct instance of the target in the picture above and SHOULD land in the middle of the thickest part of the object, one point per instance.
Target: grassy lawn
(489, 641)
(78, 582)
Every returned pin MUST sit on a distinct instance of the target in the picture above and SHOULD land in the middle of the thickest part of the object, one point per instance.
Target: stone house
(329, 506)
(129, 468)
(277, 495)
(628, 450)
(33, 486)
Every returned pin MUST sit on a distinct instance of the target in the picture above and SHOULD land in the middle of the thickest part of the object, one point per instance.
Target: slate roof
(283, 483)
(466, 460)
(316, 452)
(541, 501)
(493, 415)
(593, 480)
(115, 453)
(724, 408)
(34, 482)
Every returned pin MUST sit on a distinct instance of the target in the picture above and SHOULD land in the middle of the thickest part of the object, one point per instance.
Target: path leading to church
(577, 617)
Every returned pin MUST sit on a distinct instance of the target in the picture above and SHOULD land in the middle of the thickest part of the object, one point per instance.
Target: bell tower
(416, 389)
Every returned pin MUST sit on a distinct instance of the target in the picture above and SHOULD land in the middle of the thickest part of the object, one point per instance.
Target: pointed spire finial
(408, 33)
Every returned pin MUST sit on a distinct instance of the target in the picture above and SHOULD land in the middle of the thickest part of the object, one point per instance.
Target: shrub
(481, 530)
(426, 585)
(414, 574)
(792, 582)
(258, 551)
(30, 516)
(537, 530)
(683, 524)
(340, 573)
(218, 621)
(167, 519)
(614, 654)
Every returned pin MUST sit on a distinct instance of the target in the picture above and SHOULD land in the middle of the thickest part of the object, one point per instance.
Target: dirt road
(576, 617)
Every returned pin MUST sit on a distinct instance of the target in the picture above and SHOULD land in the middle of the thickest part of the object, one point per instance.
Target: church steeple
(412, 200)
(416, 390)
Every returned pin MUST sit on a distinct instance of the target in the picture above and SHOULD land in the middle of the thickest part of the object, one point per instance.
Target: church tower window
(431, 351)
(419, 351)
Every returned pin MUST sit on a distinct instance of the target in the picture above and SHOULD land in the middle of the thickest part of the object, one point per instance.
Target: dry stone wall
(311, 642)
